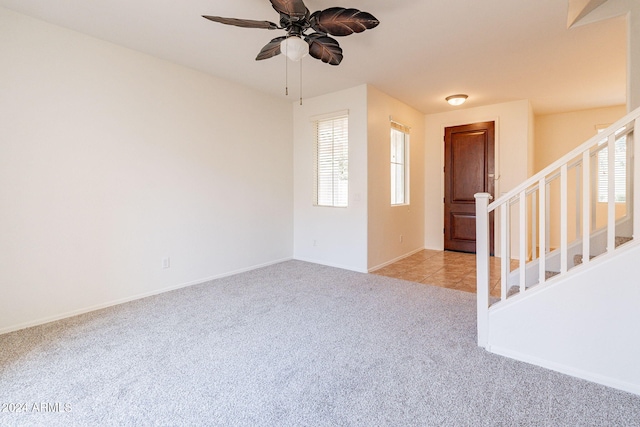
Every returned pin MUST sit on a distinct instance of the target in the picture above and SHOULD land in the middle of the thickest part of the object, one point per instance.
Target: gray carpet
(294, 344)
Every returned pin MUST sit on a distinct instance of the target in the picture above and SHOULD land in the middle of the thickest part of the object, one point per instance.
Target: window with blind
(399, 164)
(620, 172)
(331, 186)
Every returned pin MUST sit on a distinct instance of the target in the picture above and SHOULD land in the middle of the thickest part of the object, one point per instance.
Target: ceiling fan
(295, 19)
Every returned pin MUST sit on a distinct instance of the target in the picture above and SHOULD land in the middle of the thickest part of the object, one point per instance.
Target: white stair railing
(539, 208)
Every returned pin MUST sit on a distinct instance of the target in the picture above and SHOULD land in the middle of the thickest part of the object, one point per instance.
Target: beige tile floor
(454, 270)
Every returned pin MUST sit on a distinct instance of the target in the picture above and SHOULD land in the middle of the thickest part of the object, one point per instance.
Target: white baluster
(542, 190)
(563, 219)
(594, 189)
(534, 226)
(523, 239)
(636, 176)
(629, 175)
(547, 216)
(611, 186)
(586, 207)
(578, 196)
(505, 249)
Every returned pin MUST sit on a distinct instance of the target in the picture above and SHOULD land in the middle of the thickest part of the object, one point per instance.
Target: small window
(620, 171)
(331, 184)
(399, 165)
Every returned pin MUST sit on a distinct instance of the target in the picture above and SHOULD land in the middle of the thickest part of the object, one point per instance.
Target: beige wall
(631, 10)
(386, 223)
(633, 56)
(555, 136)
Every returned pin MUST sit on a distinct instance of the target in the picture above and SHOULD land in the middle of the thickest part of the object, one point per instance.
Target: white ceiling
(493, 50)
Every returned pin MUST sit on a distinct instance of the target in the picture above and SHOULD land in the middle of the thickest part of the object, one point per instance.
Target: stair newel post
(482, 266)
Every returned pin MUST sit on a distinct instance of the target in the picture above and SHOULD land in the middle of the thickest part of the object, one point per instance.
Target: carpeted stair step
(620, 240)
(577, 259)
(515, 289)
(549, 274)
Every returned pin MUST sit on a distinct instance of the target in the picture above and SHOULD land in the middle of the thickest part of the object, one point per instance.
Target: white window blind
(620, 172)
(399, 164)
(332, 161)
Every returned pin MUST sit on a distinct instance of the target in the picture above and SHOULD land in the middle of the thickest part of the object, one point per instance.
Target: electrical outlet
(166, 262)
(401, 238)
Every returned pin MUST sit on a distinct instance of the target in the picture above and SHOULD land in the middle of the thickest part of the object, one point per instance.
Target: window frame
(399, 129)
(331, 160)
(602, 162)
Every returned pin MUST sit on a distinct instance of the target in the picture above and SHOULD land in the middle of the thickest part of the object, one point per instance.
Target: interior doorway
(469, 168)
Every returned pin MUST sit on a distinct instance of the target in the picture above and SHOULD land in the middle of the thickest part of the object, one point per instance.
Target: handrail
(611, 130)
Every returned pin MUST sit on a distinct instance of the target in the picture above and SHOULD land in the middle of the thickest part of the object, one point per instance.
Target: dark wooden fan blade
(294, 8)
(271, 49)
(339, 21)
(324, 48)
(244, 23)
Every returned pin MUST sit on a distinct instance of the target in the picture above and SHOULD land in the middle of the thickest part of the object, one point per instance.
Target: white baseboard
(401, 257)
(77, 312)
(330, 264)
(568, 370)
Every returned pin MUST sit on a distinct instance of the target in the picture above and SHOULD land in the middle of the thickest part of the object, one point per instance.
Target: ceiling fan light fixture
(456, 100)
(294, 48)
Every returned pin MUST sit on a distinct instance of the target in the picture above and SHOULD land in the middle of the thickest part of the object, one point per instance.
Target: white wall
(111, 160)
(586, 326)
(324, 235)
(513, 124)
(387, 223)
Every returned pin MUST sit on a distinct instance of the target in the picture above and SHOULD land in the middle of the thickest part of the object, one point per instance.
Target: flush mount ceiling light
(456, 99)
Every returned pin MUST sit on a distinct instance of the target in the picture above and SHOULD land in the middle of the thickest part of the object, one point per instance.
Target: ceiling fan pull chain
(300, 82)
(286, 72)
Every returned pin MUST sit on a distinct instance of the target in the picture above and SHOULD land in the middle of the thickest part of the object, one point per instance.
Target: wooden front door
(468, 169)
